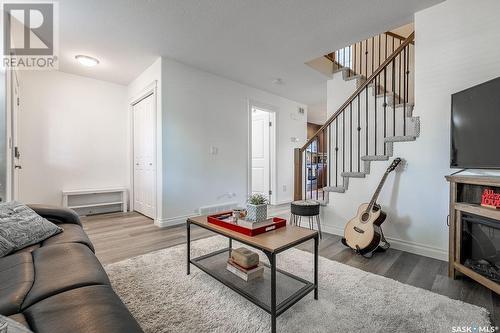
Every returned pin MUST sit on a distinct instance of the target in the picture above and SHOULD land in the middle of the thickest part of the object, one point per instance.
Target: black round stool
(306, 208)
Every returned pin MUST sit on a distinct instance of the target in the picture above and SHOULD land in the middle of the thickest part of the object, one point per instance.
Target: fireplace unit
(480, 250)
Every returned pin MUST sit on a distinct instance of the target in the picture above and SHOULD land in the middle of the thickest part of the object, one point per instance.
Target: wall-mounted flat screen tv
(475, 127)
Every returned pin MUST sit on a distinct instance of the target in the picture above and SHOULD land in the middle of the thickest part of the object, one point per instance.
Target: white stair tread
(375, 158)
(353, 174)
(400, 138)
(335, 189)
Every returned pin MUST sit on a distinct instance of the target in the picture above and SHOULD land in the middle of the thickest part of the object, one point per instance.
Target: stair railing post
(297, 186)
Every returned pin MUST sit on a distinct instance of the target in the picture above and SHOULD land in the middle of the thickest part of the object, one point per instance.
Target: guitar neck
(377, 192)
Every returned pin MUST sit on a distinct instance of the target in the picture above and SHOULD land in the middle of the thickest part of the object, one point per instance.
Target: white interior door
(16, 151)
(261, 161)
(144, 115)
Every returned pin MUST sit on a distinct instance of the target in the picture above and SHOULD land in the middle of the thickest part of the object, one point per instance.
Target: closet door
(145, 156)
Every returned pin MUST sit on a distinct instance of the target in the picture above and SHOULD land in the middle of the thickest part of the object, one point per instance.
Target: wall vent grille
(206, 210)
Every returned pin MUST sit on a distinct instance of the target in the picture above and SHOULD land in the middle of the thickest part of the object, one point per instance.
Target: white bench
(89, 199)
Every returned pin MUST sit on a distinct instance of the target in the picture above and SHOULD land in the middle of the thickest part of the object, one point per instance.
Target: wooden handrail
(386, 62)
(394, 35)
(331, 56)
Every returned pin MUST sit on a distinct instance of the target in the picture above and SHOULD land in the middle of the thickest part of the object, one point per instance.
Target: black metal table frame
(275, 310)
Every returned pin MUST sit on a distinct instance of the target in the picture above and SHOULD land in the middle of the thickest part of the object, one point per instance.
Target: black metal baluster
(343, 140)
(361, 58)
(354, 59)
(407, 72)
(393, 97)
(375, 119)
(323, 153)
(385, 108)
(336, 151)
(329, 156)
(317, 165)
(373, 55)
(379, 47)
(399, 77)
(404, 92)
(366, 58)
(350, 141)
(359, 132)
(386, 48)
(366, 125)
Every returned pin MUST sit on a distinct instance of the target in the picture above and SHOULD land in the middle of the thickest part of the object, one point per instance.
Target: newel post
(297, 175)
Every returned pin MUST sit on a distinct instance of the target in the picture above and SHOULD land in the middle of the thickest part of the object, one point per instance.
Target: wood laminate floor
(119, 236)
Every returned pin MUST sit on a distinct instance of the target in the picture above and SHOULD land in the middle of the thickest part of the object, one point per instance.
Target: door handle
(17, 167)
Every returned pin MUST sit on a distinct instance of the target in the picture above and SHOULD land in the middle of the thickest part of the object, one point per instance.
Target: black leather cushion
(55, 214)
(72, 233)
(19, 317)
(28, 249)
(63, 267)
(92, 309)
(16, 278)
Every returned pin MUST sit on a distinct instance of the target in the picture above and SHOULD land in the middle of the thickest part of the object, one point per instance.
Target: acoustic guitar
(363, 232)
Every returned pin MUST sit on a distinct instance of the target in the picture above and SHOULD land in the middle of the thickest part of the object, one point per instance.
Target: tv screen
(475, 127)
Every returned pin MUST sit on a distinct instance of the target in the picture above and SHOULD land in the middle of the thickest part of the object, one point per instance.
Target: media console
(474, 230)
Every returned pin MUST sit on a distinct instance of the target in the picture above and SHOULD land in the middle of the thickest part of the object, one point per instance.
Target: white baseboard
(399, 244)
(172, 221)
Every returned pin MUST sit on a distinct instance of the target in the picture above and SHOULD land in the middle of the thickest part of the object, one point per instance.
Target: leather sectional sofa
(59, 285)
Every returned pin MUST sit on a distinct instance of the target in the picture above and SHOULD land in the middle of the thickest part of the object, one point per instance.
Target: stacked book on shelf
(245, 264)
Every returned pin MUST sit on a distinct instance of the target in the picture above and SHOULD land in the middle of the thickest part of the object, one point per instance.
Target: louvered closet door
(144, 156)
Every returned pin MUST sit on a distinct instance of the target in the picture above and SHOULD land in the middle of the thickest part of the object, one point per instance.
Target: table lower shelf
(289, 288)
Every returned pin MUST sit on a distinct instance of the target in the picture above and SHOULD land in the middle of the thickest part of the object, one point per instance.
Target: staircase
(364, 129)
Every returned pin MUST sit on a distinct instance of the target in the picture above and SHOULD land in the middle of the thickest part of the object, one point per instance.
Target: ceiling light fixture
(279, 81)
(86, 60)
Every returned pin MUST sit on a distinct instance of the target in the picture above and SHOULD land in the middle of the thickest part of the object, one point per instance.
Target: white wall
(73, 134)
(455, 49)
(150, 78)
(338, 91)
(202, 110)
(316, 113)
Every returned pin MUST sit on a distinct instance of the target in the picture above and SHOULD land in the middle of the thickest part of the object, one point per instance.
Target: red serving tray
(278, 223)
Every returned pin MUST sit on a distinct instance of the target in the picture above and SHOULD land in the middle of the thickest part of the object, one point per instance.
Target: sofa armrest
(57, 215)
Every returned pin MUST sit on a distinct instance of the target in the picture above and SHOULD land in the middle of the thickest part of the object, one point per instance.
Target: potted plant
(257, 208)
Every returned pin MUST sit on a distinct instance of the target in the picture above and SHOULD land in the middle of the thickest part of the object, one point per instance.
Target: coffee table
(278, 290)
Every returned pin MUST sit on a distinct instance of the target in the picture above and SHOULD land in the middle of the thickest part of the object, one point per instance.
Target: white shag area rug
(163, 298)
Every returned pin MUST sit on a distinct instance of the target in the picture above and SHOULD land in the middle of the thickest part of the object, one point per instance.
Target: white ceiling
(249, 41)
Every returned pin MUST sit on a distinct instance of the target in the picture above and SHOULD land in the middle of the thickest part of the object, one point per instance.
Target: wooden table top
(271, 241)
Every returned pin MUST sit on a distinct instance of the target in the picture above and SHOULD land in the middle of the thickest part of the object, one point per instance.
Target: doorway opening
(262, 152)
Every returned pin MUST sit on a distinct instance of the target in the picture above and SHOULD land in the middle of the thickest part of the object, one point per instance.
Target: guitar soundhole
(365, 217)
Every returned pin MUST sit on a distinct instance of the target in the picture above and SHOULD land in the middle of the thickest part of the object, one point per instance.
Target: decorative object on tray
(257, 208)
(239, 213)
(490, 199)
(249, 228)
(245, 264)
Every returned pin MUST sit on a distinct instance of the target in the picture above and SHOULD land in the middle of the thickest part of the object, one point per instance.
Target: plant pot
(256, 213)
